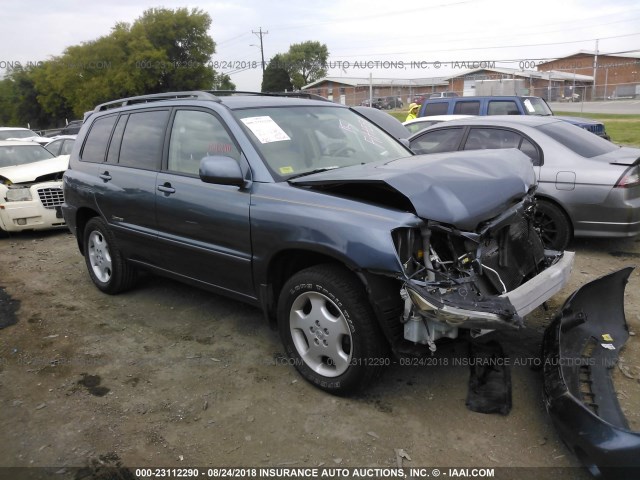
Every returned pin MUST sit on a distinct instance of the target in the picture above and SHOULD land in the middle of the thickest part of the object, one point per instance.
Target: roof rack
(195, 95)
(199, 95)
(298, 94)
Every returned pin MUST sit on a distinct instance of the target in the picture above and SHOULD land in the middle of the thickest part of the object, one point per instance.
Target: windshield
(536, 106)
(20, 154)
(578, 139)
(6, 134)
(298, 140)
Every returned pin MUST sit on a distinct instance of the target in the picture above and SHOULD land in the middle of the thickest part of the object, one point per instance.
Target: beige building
(355, 90)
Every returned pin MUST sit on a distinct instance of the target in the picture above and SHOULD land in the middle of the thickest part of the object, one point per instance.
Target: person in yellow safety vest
(413, 111)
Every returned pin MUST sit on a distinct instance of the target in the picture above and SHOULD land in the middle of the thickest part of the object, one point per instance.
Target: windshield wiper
(311, 172)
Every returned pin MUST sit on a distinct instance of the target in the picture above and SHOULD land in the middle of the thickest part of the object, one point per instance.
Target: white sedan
(30, 187)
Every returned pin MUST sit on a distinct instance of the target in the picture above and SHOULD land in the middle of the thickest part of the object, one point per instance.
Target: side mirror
(221, 170)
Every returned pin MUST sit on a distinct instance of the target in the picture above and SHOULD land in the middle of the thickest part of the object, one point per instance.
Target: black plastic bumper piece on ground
(580, 349)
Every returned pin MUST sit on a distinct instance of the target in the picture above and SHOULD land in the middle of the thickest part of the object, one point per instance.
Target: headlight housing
(21, 194)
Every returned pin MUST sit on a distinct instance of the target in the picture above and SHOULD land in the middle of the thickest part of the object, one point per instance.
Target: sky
(383, 38)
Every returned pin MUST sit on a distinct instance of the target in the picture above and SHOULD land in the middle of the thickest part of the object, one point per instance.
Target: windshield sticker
(347, 126)
(285, 170)
(369, 134)
(265, 129)
(528, 105)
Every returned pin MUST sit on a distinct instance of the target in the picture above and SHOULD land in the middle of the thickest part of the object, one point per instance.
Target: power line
(487, 48)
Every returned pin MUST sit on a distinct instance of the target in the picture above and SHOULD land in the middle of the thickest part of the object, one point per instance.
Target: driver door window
(196, 135)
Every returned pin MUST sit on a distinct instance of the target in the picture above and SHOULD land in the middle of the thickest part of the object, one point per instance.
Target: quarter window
(95, 146)
(502, 107)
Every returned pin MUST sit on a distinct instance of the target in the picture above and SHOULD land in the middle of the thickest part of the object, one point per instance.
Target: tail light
(630, 178)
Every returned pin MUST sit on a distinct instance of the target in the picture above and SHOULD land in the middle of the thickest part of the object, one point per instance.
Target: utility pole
(595, 72)
(260, 33)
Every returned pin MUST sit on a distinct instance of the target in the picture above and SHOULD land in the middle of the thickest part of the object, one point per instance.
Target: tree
(180, 47)
(22, 104)
(276, 78)
(223, 82)
(306, 62)
(163, 50)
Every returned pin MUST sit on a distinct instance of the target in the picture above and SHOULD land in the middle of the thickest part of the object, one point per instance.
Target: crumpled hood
(30, 171)
(458, 188)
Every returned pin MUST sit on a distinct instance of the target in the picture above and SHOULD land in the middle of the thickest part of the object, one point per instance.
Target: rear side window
(143, 139)
(95, 147)
(577, 139)
(437, 108)
(502, 107)
(467, 108)
(445, 140)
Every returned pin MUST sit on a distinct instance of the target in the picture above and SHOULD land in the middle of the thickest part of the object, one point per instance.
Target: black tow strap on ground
(489, 380)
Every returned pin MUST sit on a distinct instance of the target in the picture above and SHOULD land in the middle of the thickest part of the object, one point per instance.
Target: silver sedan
(587, 186)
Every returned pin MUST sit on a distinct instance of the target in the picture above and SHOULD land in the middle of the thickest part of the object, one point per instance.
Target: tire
(108, 270)
(553, 225)
(329, 330)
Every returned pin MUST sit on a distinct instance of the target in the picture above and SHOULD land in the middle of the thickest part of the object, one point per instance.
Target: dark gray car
(587, 186)
(350, 244)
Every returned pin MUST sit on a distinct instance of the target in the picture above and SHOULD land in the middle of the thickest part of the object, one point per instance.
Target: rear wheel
(108, 270)
(328, 329)
(553, 225)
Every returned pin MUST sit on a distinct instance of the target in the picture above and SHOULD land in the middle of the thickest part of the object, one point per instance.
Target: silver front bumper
(528, 296)
(524, 300)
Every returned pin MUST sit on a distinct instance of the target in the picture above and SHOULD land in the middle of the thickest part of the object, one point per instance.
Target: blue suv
(502, 105)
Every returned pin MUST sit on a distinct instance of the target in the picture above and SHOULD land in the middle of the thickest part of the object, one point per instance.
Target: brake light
(630, 178)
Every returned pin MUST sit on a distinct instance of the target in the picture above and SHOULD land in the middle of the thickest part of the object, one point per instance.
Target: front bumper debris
(502, 311)
(580, 349)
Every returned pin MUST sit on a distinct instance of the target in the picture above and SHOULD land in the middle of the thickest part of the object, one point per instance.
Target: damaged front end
(580, 350)
(483, 280)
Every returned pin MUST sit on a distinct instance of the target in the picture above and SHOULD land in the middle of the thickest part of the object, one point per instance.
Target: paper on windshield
(529, 106)
(265, 129)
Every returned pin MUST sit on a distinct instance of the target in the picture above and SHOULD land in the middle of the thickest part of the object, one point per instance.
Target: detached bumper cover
(580, 348)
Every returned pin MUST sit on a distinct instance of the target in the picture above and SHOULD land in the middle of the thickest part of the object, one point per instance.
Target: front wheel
(553, 225)
(108, 270)
(328, 329)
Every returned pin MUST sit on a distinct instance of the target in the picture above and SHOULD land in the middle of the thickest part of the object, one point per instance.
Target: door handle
(105, 176)
(166, 188)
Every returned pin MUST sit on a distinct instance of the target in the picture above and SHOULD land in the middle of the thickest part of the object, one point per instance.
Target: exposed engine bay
(456, 279)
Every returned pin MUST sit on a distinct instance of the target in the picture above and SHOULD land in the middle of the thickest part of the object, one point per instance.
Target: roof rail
(298, 94)
(195, 95)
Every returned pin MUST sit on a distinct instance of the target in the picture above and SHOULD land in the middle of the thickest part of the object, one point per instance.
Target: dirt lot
(166, 375)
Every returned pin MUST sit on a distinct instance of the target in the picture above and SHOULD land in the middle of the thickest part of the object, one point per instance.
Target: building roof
(546, 75)
(631, 54)
(381, 82)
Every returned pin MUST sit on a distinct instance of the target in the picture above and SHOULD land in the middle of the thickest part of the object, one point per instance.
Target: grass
(623, 129)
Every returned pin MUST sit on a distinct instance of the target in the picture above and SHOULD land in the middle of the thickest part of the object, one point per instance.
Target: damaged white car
(30, 187)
